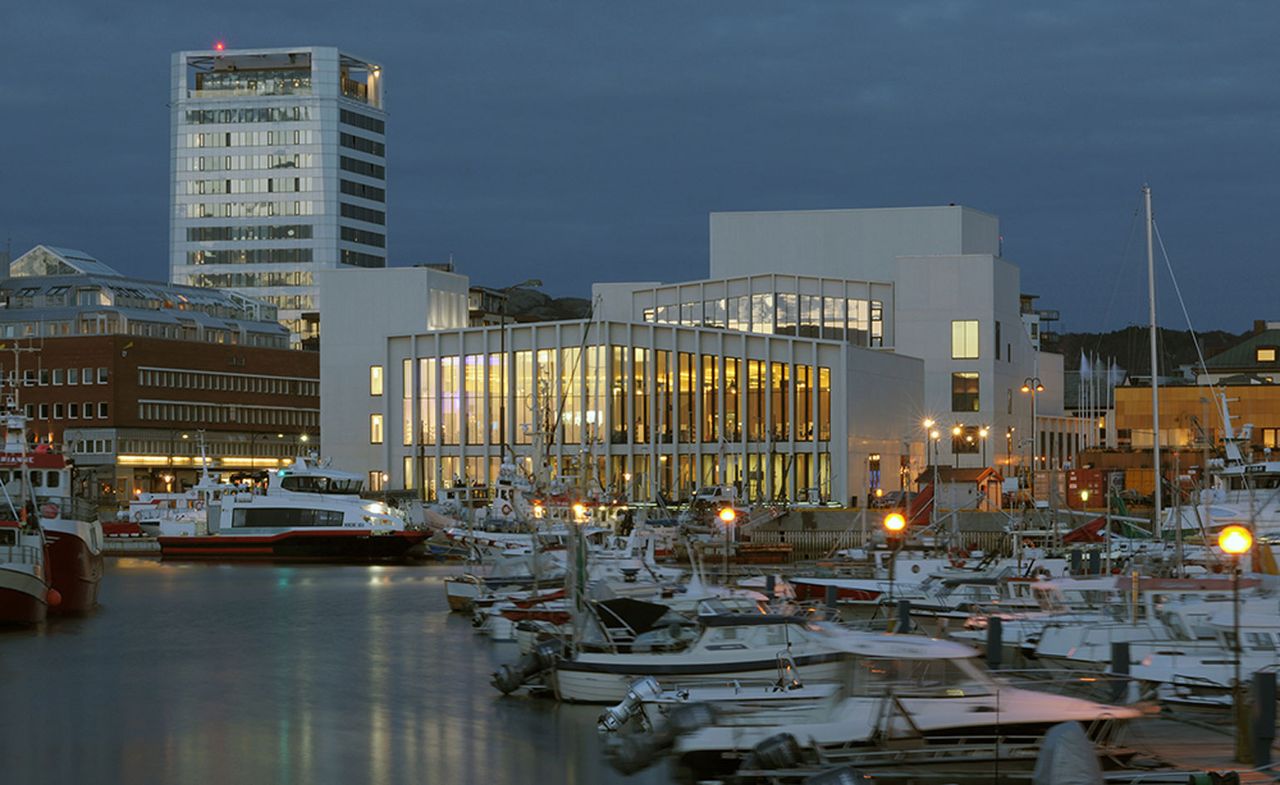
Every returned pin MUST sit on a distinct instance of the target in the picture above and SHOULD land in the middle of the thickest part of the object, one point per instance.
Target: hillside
(1131, 351)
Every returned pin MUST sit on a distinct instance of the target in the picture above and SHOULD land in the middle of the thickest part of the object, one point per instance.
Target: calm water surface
(196, 673)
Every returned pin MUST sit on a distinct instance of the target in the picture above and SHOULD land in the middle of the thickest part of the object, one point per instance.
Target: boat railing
(21, 554)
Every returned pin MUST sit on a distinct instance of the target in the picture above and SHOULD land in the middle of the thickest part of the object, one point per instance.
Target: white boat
(307, 512)
(891, 688)
(723, 647)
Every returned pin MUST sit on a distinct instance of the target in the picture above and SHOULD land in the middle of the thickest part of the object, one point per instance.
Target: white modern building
(278, 170)
(805, 367)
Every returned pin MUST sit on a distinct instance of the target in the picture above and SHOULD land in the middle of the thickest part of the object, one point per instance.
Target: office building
(278, 169)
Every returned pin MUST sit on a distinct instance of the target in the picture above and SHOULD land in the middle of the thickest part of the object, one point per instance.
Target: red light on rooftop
(218, 46)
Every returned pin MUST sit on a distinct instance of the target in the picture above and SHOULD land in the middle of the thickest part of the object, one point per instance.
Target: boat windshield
(920, 678)
(320, 484)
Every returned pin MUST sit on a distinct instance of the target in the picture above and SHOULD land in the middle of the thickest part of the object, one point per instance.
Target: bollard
(904, 616)
(1075, 561)
(1095, 562)
(832, 591)
(1262, 716)
(1120, 669)
(995, 641)
(770, 585)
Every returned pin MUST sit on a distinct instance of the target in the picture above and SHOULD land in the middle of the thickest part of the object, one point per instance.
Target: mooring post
(1120, 669)
(995, 641)
(1263, 717)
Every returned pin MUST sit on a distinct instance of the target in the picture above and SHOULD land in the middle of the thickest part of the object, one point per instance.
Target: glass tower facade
(278, 168)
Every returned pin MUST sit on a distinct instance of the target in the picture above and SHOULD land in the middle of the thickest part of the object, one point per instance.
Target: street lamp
(727, 516)
(1235, 541)
(956, 430)
(894, 525)
(1032, 386)
(983, 432)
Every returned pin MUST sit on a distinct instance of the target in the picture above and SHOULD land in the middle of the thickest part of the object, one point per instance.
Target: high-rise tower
(278, 168)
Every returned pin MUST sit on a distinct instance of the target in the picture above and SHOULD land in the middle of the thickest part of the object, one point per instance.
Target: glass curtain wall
(640, 395)
(686, 373)
(522, 414)
(710, 398)
(664, 393)
(732, 425)
(429, 401)
(473, 396)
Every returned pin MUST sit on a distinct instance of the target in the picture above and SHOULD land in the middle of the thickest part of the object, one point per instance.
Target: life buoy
(505, 509)
(199, 505)
(957, 558)
(137, 517)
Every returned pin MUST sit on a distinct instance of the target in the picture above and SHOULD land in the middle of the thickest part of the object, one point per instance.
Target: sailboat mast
(1155, 376)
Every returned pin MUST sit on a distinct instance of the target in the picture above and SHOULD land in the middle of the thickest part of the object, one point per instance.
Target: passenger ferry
(307, 512)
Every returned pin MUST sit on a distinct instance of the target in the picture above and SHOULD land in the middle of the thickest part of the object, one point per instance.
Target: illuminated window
(1265, 354)
(375, 380)
(375, 429)
(964, 340)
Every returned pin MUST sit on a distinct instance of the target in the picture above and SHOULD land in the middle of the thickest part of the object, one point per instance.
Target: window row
(365, 168)
(231, 163)
(758, 476)
(251, 256)
(39, 479)
(362, 121)
(261, 114)
(359, 143)
(363, 214)
(212, 234)
(249, 280)
(45, 377)
(58, 412)
(357, 259)
(221, 413)
(372, 193)
(252, 138)
(91, 447)
(623, 394)
(251, 185)
(860, 322)
(291, 302)
(251, 209)
(257, 81)
(353, 235)
(227, 382)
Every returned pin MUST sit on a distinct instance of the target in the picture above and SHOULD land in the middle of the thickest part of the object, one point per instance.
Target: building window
(964, 392)
(964, 340)
(102, 376)
(376, 481)
(1265, 354)
(73, 376)
(664, 393)
(375, 380)
(965, 440)
(44, 411)
(102, 411)
(710, 398)
(780, 398)
(59, 411)
(997, 340)
(57, 376)
(686, 372)
(375, 429)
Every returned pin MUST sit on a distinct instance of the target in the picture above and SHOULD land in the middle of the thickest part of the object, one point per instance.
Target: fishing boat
(24, 590)
(41, 479)
(306, 512)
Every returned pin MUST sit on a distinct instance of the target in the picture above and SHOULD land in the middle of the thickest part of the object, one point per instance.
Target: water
(202, 673)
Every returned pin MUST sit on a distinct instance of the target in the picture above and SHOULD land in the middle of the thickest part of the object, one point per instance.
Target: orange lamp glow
(728, 515)
(218, 46)
(1235, 540)
(894, 522)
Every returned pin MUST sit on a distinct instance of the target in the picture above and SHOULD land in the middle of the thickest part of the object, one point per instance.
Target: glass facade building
(278, 168)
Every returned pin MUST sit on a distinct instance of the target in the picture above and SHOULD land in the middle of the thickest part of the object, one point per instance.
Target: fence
(816, 544)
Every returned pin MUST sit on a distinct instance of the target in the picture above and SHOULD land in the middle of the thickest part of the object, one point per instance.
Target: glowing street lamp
(894, 525)
(1235, 541)
(727, 516)
(956, 430)
(579, 512)
(983, 432)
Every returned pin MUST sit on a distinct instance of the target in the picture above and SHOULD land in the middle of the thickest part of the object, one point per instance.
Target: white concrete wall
(611, 302)
(852, 244)
(360, 310)
(884, 393)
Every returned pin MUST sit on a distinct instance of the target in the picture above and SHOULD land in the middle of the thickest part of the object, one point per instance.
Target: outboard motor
(780, 751)
(510, 678)
(633, 752)
(614, 717)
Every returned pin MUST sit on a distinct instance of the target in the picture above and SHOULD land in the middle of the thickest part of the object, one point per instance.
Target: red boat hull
(76, 572)
(21, 598)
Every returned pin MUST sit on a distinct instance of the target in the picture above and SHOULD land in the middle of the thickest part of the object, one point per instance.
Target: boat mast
(1155, 376)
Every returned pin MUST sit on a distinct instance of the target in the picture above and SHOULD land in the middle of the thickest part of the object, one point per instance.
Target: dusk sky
(575, 141)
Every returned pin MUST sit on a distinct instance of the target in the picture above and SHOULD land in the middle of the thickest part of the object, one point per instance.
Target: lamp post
(983, 432)
(956, 430)
(1032, 385)
(1235, 541)
(894, 526)
(502, 342)
(727, 516)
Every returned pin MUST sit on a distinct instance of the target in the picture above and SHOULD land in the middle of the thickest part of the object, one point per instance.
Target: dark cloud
(588, 141)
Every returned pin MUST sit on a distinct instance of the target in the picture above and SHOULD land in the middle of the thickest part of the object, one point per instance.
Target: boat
(720, 647)
(24, 591)
(41, 477)
(306, 512)
(891, 688)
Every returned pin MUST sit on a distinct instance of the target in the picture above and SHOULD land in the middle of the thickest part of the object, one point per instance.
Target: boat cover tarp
(1067, 757)
(638, 615)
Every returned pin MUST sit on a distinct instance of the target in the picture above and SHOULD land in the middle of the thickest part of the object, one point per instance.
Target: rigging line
(1195, 339)
(1124, 257)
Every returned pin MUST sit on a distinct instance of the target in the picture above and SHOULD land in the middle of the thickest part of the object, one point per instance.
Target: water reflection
(197, 673)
